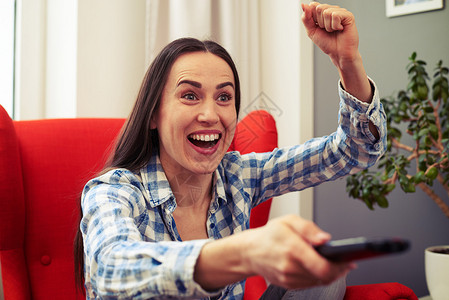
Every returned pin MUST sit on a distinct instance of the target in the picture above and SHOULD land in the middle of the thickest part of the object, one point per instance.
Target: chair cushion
(58, 158)
(256, 132)
(12, 213)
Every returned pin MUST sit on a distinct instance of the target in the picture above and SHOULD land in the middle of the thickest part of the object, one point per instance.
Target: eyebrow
(222, 85)
(194, 83)
(199, 85)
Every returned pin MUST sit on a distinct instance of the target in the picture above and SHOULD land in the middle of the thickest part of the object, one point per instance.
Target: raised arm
(333, 30)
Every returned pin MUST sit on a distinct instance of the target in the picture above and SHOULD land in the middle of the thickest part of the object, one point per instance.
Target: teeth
(205, 137)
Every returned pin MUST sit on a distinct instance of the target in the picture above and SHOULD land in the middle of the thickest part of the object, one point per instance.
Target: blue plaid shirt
(132, 247)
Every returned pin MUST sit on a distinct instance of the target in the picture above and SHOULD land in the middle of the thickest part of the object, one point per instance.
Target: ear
(153, 123)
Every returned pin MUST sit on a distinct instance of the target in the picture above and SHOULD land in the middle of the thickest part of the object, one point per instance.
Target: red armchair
(44, 165)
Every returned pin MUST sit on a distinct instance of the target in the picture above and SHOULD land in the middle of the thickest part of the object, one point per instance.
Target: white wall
(287, 80)
(111, 56)
(6, 54)
(61, 58)
(30, 59)
(79, 58)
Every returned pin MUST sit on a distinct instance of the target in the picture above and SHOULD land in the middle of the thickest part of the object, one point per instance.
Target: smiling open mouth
(204, 140)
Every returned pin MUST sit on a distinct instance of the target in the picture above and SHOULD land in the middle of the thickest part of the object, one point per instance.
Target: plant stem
(399, 145)
(445, 186)
(441, 204)
(438, 124)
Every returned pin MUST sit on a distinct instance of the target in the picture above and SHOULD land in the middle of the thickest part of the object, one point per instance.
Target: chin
(205, 168)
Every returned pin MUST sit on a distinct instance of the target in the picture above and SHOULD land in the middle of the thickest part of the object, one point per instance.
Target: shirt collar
(219, 191)
(159, 190)
(155, 182)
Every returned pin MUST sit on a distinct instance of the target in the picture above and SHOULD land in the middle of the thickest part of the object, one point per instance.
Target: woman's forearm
(354, 79)
(222, 262)
(355, 82)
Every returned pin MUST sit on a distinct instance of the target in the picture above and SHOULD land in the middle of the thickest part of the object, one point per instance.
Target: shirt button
(45, 260)
(212, 225)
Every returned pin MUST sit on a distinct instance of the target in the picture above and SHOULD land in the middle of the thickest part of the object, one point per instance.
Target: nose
(208, 112)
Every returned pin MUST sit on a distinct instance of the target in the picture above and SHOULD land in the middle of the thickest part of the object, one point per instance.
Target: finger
(309, 235)
(337, 22)
(313, 7)
(306, 234)
(310, 269)
(312, 262)
(298, 264)
(307, 18)
(301, 280)
(308, 230)
(323, 270)
(340, 18)
(327, 19)
(325, 14)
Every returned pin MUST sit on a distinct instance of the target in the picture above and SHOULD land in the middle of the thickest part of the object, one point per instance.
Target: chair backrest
(44, 165)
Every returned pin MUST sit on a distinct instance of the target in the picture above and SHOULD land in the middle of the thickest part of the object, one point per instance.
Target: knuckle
(283, 280)
(327, 274)
(327, 279)
(282, 273)
(335, 15)
(308, 225)
(328, 13)
(290, 218)
(287, 254)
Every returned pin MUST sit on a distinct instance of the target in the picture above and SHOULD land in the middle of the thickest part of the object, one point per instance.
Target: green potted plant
(425, 112)
(421, 161)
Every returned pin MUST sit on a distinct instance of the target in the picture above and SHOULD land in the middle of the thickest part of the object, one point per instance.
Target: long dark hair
(137, 142)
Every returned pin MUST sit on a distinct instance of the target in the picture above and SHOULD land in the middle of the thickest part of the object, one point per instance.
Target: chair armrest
(254, 288)
(380, 291)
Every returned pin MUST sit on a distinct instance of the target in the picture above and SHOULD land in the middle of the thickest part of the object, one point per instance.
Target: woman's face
(196, 117)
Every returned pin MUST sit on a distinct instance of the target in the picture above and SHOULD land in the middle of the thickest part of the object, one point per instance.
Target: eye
(189, 96)
(224, 97)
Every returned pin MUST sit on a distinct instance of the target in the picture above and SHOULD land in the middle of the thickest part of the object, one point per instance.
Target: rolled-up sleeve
(354, 120)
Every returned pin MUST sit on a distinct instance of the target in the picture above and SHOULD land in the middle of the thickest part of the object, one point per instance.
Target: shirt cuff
(356, 104)
(184, 269)
(364, 112)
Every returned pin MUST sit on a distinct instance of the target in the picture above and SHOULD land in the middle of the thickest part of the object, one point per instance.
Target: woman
(168, 217)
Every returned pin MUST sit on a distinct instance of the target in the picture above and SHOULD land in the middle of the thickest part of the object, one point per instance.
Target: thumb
(315, 236)
(309, 231)
(307, 17)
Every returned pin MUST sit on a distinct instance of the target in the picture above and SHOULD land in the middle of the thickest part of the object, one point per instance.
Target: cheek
(230, 122)
(166, 120)
(230, 130)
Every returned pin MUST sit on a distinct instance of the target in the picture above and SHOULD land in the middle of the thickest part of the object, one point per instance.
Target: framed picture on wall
(405, 7)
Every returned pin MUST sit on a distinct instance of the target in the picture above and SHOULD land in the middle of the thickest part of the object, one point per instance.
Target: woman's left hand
(333, 30)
